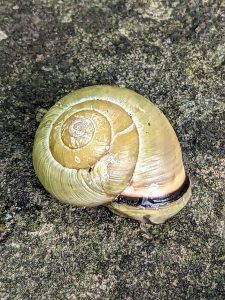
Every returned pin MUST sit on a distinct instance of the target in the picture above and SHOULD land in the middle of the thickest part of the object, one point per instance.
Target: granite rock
(173, 53)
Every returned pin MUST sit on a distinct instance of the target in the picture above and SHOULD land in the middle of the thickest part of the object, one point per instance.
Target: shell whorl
(102, 141)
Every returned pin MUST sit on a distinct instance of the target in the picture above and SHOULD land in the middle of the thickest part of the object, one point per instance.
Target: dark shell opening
(155, 202)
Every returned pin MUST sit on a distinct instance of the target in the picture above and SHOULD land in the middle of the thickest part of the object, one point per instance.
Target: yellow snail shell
(105, 145)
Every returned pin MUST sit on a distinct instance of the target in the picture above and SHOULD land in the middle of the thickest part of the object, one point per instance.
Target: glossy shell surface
(101, 142)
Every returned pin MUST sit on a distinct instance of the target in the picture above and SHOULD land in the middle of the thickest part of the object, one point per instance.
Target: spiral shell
(102, 145)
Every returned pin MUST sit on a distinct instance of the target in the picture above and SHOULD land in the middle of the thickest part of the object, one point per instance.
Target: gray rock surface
(172, 52)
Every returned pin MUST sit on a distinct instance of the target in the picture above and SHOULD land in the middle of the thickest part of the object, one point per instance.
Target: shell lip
(147, 202)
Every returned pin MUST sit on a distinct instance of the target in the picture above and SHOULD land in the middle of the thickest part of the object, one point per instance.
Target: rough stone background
(172, 52)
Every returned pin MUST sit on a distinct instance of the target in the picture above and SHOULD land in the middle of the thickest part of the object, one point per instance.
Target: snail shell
(105, 145)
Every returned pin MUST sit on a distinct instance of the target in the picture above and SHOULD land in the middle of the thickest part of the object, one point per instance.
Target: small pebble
(18, 209)
(8, 216)
(3, 35)
(40, 114)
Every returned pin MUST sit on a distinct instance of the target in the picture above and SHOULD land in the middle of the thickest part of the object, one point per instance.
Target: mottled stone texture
(172, 52)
